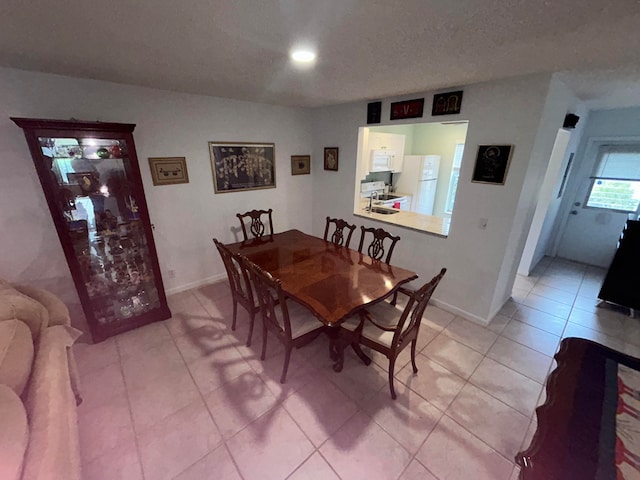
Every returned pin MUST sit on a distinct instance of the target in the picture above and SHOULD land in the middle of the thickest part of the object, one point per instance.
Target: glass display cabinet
(91, 179)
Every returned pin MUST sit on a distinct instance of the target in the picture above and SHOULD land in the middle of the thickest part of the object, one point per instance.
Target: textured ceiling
(366, 49)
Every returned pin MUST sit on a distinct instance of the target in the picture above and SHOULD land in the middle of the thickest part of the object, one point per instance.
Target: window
(455, 175)
(616, 182)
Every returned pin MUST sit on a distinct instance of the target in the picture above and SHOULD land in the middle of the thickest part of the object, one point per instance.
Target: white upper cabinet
(391, 142)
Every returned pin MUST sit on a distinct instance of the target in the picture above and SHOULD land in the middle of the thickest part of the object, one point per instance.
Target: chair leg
(413, 355)
(252, 318)
(394, 299)
(235, 314)
(264, 342)
(392, 364)
(287, 357)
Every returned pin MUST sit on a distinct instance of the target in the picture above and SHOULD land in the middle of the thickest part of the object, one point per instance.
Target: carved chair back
(338, 235)
(257, 226)
(376, 249)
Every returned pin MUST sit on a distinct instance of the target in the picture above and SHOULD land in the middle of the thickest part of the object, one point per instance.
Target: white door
(591, 234)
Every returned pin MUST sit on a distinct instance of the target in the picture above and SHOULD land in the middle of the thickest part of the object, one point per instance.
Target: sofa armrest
(58, 311)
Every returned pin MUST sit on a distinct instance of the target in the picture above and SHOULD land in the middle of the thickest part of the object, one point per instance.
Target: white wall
(502, 112)
(186, 216)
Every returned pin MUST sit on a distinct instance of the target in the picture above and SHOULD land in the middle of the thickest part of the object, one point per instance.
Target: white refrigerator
(419, 178)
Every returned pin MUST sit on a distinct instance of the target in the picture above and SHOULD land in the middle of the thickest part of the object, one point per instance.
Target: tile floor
(185, 399)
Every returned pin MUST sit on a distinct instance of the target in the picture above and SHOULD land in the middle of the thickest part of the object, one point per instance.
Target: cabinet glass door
(91, 178)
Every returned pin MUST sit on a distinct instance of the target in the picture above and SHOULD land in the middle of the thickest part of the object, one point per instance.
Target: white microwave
(381, 161)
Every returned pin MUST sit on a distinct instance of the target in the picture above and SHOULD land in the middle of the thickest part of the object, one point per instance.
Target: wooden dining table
(333, 282)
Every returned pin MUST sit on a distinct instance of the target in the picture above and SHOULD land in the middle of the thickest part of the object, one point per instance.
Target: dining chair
(376, 249)
(290, 322)
(256, 225)
(337, 237)
(389, 329)
(241, 289)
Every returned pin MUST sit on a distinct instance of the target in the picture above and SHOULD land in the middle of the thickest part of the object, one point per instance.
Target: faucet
(371, 198)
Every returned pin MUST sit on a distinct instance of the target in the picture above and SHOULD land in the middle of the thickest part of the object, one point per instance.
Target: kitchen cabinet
(91, 180)
(391, 142)
(620, 285)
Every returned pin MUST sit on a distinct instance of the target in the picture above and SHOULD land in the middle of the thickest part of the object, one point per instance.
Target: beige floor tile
(354, 451)
(533, 425)
(552, 307)
(408, 419)
(452, 355)
(567, 283)
(319, 408)
(134, 341)
(508, 308)
(416, 471)
(104, 427)
(188, 313)
(575, 330)
(433, 382)
(471, 334)
(212, 371)
(217, 465)
(556, 294)
(453, 453)
(532, 337)
(91, 357)
(494, 422)
(609, 323)
(524, 283)
(121, 462)
(507, 385)
(177, 441)
(99, 386)
(239, 402)
(358, 381)
(589, 303)
(161, 397)
(515, 475)
(522, 359)
(204, 341)
(543, 321)
(270, 448)
(315, 468)
(500, 321)
(148, 364)
(436, 318)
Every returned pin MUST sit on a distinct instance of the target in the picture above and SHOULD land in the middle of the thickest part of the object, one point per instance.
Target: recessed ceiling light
(303, 56)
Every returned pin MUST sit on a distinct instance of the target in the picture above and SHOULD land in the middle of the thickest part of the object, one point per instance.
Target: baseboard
(199, 283)
(459, 312)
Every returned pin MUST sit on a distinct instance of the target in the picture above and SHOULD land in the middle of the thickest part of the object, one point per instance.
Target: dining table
(334, 282)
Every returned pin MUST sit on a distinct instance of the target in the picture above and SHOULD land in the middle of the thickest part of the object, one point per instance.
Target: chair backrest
(238, 275)
(256, 225)
(414, 309)
(376, 248)
(337, 237)
(271, 297)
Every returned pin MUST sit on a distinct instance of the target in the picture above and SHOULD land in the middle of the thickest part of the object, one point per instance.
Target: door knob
(574, 212)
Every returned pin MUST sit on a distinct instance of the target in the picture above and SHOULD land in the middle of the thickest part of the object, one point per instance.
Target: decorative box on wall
(91, 178)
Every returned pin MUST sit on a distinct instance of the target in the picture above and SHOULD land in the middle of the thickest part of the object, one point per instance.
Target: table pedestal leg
(339, 339)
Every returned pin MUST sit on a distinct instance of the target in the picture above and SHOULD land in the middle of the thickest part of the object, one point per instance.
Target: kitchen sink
(387, 196)
(383, 211)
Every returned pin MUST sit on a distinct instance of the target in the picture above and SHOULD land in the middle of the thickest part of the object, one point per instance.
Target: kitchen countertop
(404, 218)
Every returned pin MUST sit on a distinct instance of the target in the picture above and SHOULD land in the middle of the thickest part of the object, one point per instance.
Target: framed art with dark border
(448, 103)
(242, 166)
(374, 112)
(331, 158)
(407, 109)
(492, 164)
(168, 170)
(300, 164)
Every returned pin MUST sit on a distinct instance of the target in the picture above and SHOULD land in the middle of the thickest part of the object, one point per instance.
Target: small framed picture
(300, 164)
(492, 164)
(331, 158)
(168, 170)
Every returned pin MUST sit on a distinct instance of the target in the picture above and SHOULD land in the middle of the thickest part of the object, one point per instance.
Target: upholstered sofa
(38, 387)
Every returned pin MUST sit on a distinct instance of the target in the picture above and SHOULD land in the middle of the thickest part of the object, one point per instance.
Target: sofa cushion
(53, 450)
(14, 434)
(14, 304)
(16, 354)
(58, 311)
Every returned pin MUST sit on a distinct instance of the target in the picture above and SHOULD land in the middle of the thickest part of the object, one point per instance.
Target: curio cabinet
(91, 179)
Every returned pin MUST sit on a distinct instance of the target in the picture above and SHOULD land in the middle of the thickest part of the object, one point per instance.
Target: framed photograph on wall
(331, 158)
(242, 166)
(168, 170)
(492, 164)
(300, 164)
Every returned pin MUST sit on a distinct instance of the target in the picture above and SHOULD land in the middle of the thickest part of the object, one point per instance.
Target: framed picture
(300, 164)
(407, 109)
(331, 158)
(446, 103)
(168, 170)
(374, 112)
(492, 164)
(242, 166)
